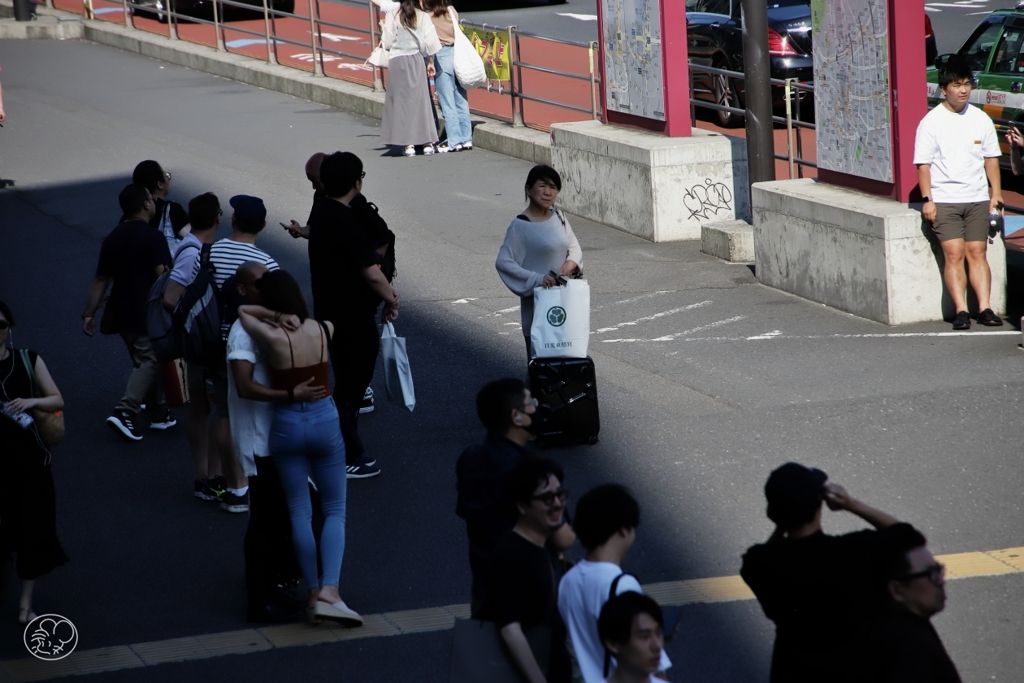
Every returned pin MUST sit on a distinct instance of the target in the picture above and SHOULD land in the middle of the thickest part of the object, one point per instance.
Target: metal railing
(275, 32)
(793, 94)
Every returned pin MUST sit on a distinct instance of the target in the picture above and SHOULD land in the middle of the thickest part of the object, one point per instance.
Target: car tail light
(928, 33)
(779, 46)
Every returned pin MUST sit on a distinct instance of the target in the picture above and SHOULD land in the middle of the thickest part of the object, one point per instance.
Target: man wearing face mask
(506, 409)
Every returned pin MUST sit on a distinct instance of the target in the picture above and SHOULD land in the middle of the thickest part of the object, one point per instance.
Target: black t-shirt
(318, 195)
(129, 256)
(817, 591)
(339, 252)
(480, 475)
(523, 583)
(900, 647)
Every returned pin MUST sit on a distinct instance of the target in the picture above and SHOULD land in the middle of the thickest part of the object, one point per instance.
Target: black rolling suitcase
(566, 390)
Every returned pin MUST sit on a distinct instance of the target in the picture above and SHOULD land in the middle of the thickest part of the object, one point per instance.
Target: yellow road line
(689, 592)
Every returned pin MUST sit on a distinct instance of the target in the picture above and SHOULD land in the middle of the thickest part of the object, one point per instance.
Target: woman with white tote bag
(538, 241)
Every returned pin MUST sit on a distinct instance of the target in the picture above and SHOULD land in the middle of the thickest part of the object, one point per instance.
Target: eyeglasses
(362, 175)
(549, 497)
(531, 402)
(167, 174)
(4, 324)
(935, 574)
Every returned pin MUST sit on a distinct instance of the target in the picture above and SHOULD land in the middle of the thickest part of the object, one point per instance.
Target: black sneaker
(217, 486)
(989, 319)
(367, 405)
(165, 422)
(123, 423)
(362, 470)
(202, 490)
(229, 502)
(962, 321)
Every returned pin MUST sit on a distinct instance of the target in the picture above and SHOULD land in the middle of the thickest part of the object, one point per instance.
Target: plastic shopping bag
(561, 321)
(397, 373)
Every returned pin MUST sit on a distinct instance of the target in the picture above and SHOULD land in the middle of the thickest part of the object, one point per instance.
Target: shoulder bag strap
(30, 370)
(611, 594)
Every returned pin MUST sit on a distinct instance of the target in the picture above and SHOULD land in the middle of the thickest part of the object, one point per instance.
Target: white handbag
(469, 67)
(381, 54)
(397, 373)
(561, 321)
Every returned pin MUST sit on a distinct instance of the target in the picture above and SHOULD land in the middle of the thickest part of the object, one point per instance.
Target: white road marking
(673, 337)
(465, 301)
(335, 38)
(649, 295)
(506, 310)
(770, 336)
(653, 317)
(578, 17)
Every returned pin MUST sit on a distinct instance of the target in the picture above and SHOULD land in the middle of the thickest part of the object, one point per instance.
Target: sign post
(645, 81)
(869, 93)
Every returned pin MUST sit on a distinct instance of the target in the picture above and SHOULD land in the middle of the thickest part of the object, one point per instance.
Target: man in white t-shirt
(957, 157)
(606, 520)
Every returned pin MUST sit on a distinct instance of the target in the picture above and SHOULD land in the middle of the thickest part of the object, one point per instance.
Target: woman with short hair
(538, 241)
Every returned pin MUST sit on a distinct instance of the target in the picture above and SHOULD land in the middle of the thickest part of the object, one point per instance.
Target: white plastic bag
(561, 321)
(397, 373)
(469, 67)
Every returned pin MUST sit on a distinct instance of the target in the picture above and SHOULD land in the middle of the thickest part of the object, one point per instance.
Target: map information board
(633, 78)
(851, 87)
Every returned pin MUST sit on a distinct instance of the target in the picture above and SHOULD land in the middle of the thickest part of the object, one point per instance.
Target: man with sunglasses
(902, 645)
(170, 217)
(522, 591)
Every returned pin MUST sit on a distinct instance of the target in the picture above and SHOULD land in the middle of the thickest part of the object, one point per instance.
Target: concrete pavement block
(728, 240)
(649, 185)
(855, 252)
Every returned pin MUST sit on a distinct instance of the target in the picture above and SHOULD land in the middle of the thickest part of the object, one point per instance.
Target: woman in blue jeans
(305, 436)
(450, 94)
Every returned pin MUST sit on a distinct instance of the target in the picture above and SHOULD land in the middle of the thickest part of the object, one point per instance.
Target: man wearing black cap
(815, 587)
(226, 255)
(348, 285)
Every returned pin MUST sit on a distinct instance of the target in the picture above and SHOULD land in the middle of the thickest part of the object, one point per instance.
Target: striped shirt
(226, 255)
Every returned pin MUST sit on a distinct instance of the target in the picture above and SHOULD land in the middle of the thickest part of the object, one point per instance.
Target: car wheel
(724, 90)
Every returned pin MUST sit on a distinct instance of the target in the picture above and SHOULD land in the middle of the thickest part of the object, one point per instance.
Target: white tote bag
(561, 321)
(469, 67)
(397, 373)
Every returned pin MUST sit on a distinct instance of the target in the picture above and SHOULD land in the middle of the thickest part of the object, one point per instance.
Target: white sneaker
(467, 146)
(443, 148)
(428, 150)
(410, 151)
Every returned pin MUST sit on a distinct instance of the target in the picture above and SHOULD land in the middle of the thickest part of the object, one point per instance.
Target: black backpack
(196, 319)
(377, 231)
(160, 321)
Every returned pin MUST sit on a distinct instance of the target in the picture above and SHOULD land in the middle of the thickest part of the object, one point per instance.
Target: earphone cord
(35, 432)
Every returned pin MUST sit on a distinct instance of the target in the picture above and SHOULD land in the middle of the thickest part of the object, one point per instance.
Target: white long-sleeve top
(402, 41)
(529, 251)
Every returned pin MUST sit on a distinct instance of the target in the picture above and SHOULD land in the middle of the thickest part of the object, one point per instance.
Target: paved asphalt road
(708, 380)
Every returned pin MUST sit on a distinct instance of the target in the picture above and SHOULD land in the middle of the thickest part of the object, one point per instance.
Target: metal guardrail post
(378, 73)
(517, 113)
(593, 79)
(127, 14)
(271, 46)
(88, 9)
(693, 102)
(757, 70)
(318, 65)
(172, 30)
(218, 27)
(789, 126)
(799, 139)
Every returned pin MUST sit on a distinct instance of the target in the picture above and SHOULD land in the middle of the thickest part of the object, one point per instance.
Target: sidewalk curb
(496, 136)
(48, 25)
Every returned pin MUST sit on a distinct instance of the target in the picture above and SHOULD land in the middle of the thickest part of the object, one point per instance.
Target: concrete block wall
(649, 185)
(862, 254)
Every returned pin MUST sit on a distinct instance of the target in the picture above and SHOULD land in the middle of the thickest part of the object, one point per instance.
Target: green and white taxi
(995, 52)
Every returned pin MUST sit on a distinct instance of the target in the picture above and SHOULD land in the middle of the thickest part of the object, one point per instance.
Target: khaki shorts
(967, 222)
